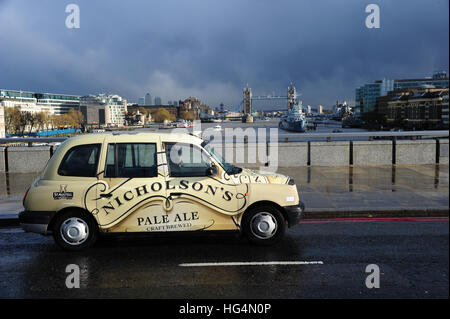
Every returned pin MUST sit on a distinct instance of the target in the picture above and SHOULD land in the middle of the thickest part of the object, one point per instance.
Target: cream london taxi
(151, 182)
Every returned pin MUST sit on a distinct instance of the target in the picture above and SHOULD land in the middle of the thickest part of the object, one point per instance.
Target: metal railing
(283, 137)
(350, 136)
(9, 141)
(368, 135)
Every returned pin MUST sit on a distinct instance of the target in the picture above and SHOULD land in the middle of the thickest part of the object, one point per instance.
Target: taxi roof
(135, 137)
(113, 137)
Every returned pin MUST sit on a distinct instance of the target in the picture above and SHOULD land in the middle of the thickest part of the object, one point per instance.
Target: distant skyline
(211, 49)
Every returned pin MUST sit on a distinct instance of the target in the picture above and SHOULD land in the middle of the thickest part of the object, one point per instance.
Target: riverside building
(103, 109)
(415, 108)
(39, 102)
(34, 102)
(366, 96)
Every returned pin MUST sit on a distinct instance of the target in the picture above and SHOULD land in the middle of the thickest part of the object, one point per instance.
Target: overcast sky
(211, 49)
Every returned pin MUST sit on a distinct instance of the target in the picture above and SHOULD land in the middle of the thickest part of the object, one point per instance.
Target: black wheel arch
(51, 224)
(266, 203)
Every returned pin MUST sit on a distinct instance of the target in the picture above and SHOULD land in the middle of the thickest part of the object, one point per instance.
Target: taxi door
(130, 194)
(198, 197)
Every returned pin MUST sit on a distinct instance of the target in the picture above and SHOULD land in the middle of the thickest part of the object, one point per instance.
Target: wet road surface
(326, 259)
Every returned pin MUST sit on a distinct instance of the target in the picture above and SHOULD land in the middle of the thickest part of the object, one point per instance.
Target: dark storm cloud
(211, 49)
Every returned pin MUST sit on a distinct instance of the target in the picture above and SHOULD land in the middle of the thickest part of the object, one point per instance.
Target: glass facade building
(49, 102)
(147, 99)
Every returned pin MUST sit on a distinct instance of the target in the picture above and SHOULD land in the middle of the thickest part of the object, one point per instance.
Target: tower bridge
(248, 98)
(246, 105)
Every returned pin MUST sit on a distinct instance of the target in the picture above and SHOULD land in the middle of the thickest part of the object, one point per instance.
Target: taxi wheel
(75, 230)
(264, 225)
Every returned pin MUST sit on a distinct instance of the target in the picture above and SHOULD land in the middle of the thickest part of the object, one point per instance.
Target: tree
(32, 121)
(26, 120)
(74, 118)
(187, 115)
(161, 115)
(57, 120)
(143, 110)
(12, 120)
(42, 120)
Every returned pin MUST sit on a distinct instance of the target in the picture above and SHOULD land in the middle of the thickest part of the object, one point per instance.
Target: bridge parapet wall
(283, 154)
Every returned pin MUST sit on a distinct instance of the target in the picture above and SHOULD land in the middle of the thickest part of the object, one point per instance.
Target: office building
(148, 99)
(32, 102)
(366, 96)
(58, 103)
(445, 110)
(103, 109)
(158, 100)
(39, 102)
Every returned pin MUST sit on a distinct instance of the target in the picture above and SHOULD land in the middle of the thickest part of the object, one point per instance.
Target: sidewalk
(328, 192)
(418, 190)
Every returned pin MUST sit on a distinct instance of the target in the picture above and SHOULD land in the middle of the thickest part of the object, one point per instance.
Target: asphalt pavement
(317, 259)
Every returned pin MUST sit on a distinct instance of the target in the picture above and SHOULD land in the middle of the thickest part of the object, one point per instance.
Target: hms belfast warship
(295, 119)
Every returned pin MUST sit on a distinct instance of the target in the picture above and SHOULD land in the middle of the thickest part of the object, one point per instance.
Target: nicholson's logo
(195, 190)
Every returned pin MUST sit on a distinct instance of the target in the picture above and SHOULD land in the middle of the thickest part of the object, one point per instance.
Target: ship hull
(295, 126)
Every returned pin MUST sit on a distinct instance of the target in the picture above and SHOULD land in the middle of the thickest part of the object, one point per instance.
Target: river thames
(271, 127)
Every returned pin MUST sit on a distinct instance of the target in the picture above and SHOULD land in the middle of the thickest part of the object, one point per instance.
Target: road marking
(251, 263)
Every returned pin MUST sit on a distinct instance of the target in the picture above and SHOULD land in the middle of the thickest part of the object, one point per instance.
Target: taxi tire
(272, 213)
(78, 215)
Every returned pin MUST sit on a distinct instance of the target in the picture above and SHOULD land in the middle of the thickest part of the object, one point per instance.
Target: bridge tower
(247, 118)
(291, 96)
(247, 100)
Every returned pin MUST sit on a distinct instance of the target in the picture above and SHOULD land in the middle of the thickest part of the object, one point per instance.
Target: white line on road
(251, 263)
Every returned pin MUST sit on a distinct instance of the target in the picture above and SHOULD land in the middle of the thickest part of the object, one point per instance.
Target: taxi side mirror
(212, 170)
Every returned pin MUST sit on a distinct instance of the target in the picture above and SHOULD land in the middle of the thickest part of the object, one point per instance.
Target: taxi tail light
(25, 196)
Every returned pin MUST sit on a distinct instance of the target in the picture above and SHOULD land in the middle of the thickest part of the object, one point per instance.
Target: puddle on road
(370, 178)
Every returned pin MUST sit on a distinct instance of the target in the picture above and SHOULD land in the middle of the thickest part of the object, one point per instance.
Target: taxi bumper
(35, 221)
(294, 214)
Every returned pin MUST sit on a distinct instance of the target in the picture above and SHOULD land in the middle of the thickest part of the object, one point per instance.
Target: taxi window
(131, 160)
(80, 160)
(186, 160)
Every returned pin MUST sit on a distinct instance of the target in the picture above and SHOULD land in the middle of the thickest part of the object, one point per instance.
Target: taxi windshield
(229, 168)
